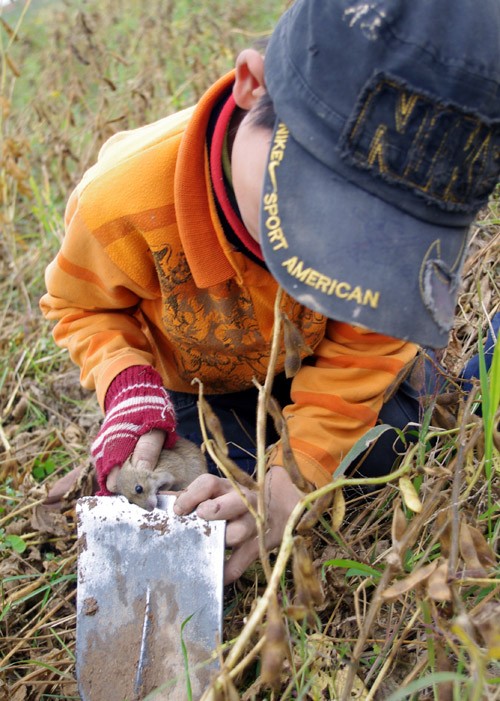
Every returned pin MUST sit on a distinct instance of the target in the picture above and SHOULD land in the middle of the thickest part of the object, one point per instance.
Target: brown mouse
(176, 468)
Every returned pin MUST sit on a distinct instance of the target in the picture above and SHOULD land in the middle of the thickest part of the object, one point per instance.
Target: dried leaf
(358, 691)
(338, 510)
(468, 549)
(448, 398)
(437, 587)
(487, 623)
(17, 527)
(413, 580)
(484, 553)
(322, 686)
(19, 411)
(295, 347)
(410, 495)
(73, 435)
(48, 521)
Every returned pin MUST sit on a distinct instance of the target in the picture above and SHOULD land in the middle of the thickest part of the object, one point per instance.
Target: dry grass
(403, 595)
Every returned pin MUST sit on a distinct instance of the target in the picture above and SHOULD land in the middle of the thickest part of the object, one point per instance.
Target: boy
(347, 169)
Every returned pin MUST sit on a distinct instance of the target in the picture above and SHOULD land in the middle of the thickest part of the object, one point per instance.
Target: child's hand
(146, 453)
(214, 498)
(136, 404)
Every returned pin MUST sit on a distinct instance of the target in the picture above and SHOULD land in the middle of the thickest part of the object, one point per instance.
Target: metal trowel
(149, 601)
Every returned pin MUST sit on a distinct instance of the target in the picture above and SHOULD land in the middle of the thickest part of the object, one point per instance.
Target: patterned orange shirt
(145, 275)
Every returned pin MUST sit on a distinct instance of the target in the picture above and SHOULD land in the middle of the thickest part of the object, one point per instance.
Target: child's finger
(228, 507)
(148, 449)
(241, 558)
(241, 531)
(201, 489)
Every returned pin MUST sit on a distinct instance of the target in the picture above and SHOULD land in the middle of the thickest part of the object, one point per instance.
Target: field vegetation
(390, 597)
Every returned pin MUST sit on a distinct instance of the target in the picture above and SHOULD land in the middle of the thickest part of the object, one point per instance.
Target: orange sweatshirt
(145, 275)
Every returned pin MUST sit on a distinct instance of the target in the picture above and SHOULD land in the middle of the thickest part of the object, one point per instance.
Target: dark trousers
(237, 413)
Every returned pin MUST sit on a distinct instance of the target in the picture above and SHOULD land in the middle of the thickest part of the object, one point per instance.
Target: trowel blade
(149, 601)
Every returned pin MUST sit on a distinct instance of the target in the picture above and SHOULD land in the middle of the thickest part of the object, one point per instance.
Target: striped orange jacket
(145, 275)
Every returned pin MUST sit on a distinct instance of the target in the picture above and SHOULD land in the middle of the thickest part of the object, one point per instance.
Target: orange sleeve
(338, 397)
(104, 274)
(94, 304)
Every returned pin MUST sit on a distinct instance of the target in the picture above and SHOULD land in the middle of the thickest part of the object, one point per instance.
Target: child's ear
(249, 83)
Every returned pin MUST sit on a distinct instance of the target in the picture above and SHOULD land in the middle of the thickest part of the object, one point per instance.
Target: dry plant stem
(415, 672)
(24, 591)
(22, 509)
(363, 635)
(283, 556)
(492, 595)
(208, 443)
(5, 442)
(33, 629)
(473, 260)
(455, 498)
(27, 363)
(360, 590)
(12, 39)
(239, 668)
(388, 661)
(414, 527)
(479, 470)
(264, 395)
(41, 670)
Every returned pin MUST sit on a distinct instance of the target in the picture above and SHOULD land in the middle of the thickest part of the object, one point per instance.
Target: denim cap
(386, 145)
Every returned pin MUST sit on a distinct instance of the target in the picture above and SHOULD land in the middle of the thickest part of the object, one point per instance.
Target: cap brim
(351, 256)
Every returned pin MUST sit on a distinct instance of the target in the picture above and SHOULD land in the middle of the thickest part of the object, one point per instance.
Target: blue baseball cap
(386, 145)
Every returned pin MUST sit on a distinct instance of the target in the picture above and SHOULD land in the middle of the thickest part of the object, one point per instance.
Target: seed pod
(443, 417)
(437, 585)
(308, 591)
(275, 648)
(213, 424)
(338, 510)
(311, 517)
(295, 347)
(410, 495)
(398, 526)
(234, 470)
(290, 464)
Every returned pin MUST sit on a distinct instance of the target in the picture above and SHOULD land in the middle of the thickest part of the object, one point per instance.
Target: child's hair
(262, 113)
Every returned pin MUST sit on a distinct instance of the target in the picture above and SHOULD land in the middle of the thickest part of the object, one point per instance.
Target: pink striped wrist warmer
(136, 402)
